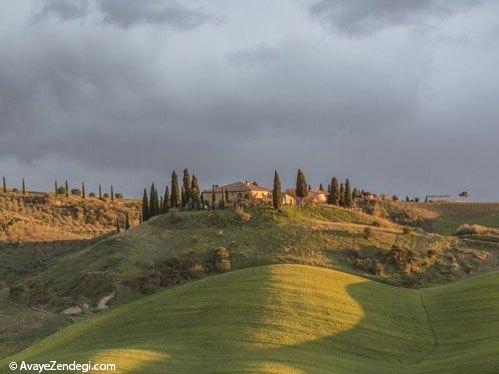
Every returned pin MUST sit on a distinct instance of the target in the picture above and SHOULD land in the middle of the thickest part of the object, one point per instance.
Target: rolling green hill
(290, 318)
(174, 247)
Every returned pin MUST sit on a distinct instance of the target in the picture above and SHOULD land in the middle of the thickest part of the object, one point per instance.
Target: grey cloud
(127, 13)
(64, 9)
(410, 115)
(365, 16)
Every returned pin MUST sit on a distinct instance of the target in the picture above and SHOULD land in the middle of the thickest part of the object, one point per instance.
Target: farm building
(242, 191)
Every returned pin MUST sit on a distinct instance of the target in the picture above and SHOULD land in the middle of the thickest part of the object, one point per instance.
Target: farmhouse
(316, 196)
(242, 191)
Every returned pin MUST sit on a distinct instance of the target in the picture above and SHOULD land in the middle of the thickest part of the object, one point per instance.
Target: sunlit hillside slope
(290, 318)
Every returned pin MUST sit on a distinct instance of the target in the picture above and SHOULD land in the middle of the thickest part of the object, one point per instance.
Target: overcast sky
(399, 96)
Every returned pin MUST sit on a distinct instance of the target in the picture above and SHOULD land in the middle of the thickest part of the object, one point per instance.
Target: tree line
(186, 196)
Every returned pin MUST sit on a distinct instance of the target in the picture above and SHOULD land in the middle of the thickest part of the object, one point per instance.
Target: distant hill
(293, 319)
(40, 217)
(176, 247)
(441, 217)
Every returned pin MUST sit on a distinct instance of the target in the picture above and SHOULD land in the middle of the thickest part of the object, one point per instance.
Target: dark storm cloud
(365, 16)
(399, 111)
(126, 13)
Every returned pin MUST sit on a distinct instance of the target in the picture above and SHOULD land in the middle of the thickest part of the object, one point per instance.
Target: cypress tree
(222, 201)
(24, 187)
(161, 205)
(183, 197)
(83, 190)
(334, 195)
(355, 193)
(166, 200)
(341, 201)
(56, 191)
(348, 194)
(321, 187)
(174, 192)
(100, 191)
(4, 185)
(186, 183)
(112, 193)
(153, 202)
(213, 196)
(301, 190)
(145, 206)
(195, 193)
(276, 192)
(67, 188)
(127, 222)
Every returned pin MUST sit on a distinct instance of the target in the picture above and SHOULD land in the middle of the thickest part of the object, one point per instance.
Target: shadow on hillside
(389, 336)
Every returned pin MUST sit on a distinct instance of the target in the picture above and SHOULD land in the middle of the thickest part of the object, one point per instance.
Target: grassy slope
(38, 217)
(320, 236)
(290, 318)
(445, 218)
(21, 326)
(313, 236)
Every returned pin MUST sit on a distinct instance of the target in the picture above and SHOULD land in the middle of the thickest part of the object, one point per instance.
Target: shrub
(61, 190)
(76, 191)
(15, 190)
(406, 230)
(118, 195)
(218, 259)
(105, 196)
(91, 194)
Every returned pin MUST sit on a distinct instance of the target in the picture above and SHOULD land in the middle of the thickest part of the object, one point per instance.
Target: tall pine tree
(153, 202)
(195, 193)
(174, 192)
(301, 190)
(83, 189)
(145, 206)
(24, 187)
(334, 194)
(348, 194)
(67, 188)
(276, 192)
(166, 200)
(56, 189)
(341, 201)
(4, 185)
(186, 183)
(213, 196)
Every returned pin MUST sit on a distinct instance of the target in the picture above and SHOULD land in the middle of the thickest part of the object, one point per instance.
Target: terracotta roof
(238, 187)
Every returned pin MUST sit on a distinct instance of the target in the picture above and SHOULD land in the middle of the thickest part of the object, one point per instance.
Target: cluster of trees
(187, 196)
(341, 194)
(65, 190)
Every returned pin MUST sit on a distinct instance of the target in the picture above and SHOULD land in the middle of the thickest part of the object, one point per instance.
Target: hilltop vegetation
(40, 217)
(290, 318)
(176, 247)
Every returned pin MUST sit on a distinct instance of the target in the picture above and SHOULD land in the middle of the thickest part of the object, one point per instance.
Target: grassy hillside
(37, 217)
(21, 326)
(175, 247)
(443, 218)
(290, 318)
